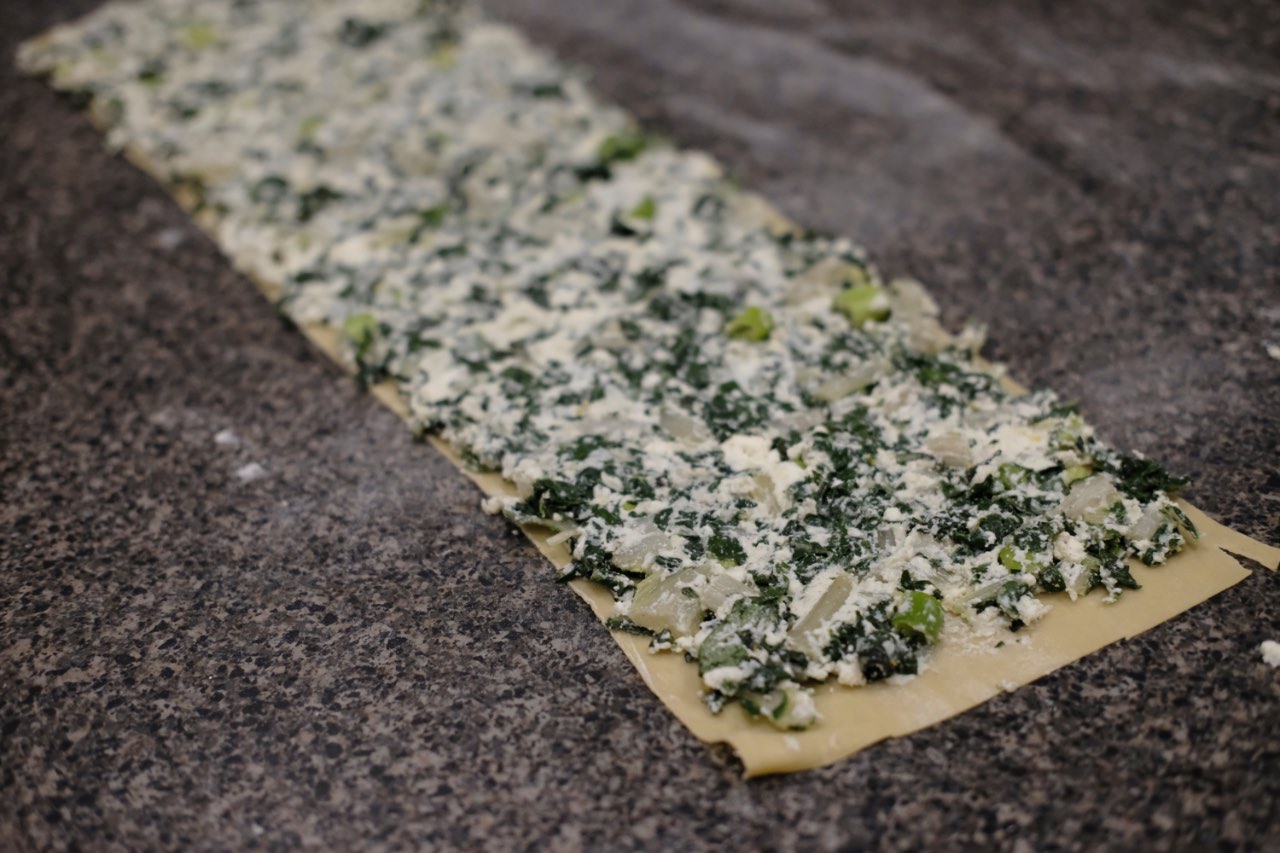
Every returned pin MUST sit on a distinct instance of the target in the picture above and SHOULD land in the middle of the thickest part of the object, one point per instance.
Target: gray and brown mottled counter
(337, 648)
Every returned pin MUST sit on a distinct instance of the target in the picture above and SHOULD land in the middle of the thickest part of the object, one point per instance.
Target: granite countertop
(337, 647)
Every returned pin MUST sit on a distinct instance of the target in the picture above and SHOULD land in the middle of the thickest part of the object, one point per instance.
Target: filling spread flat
(779, 464)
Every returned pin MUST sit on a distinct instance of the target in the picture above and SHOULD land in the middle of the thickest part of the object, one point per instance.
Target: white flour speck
(249, 473)
(170, 239)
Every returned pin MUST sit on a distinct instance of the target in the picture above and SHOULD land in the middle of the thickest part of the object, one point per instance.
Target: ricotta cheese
(1270, 651)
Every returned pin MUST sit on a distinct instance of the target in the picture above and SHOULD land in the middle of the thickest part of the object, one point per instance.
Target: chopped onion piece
(820, 280)
(856, 379)
(661, 604)
(951, 449)
(682, 427)
(637, 554)
(911, 304)
(1090, 499)
(722, 587)
(812, 631)
(1147, 526)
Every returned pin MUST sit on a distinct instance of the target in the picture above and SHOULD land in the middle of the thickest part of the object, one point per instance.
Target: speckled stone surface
(346, 652)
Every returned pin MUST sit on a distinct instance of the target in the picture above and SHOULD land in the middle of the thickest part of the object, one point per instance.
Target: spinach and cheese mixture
(779, 464)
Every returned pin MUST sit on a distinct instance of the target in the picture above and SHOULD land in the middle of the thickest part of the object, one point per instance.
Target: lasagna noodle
(961, 673)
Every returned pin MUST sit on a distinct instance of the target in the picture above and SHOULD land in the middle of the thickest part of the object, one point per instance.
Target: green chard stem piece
(753, 324)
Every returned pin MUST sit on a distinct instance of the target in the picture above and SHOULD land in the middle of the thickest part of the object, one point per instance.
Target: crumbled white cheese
(1069, 548)
(722, 677)
(1270, 651)
(747, 452)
